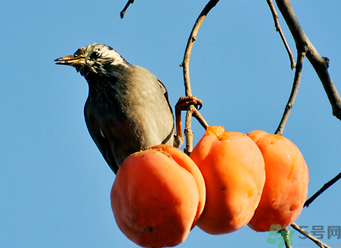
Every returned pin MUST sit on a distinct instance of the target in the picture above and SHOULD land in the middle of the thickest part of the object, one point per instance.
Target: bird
(127, 108)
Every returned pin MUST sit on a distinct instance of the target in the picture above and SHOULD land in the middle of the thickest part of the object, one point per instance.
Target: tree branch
(325, 187)
(196, 114)
(285, 235)
(319, 63)
(305, 233)
(125, 8)
(278, 29)
(185, 65)
(296, 84)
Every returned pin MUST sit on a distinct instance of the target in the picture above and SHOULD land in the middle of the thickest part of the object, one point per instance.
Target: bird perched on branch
(127, 109)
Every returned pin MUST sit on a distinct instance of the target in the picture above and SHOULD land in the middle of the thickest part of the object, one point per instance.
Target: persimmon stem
(312, 238)
(279, 30)
(294, 90)
(185, 65)
(321, 190)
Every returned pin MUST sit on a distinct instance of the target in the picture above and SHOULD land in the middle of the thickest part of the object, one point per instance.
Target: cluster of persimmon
(230, 180)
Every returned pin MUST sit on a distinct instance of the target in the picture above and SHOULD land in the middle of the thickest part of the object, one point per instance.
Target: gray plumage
(127, 109)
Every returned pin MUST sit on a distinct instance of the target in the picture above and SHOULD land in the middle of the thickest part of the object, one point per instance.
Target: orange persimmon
(187, 163)
(233, 169)
(154, 199)
(286, 184)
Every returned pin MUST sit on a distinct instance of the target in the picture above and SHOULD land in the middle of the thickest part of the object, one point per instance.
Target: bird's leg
(183, 104)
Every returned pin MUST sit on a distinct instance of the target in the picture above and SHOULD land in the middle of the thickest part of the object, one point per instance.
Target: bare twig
(319, 63)
(185, 65)
(285, 234)
(196, 114)
(305, 233)
(192, 38)
(184, 103)
(325, 186)
(125, 8)
(188, 130)
(192, 112)
(278, 29)
(300, 58)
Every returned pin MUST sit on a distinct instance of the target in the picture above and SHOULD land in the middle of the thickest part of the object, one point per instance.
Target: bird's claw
(186, 101)
(183, 104)
(198, 105)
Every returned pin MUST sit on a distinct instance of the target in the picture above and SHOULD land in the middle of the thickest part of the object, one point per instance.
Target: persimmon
(154, 199)
(233, 169)
(187, 163)
(286, 184)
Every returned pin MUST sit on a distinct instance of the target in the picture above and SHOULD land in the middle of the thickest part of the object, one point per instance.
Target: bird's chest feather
(106, 112)
(133, 112)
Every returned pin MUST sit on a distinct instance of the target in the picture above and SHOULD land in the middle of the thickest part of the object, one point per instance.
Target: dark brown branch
(125, 8)
(192, 38)
(278, 29)
(185, 66)
(296, 84)
(325, 187)
(319, 63)
(312, 238)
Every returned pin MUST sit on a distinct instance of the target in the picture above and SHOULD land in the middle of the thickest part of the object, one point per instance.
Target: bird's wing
(165, 92)
(100, 140)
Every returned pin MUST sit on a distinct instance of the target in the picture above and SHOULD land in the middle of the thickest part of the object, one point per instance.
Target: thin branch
(296, 84)
(188, 130)
(192, 112)
(305, 233)
(185, 103)
(319, 63)
(185, 66)
(192, 38)
(278, 29)
(325, 187)
(125, 8)
(196, 114)
(285, 235)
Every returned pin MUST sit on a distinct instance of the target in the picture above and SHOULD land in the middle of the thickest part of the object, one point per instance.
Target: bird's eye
(94, 55)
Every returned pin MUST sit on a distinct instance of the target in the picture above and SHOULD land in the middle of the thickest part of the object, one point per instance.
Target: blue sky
(54, 183)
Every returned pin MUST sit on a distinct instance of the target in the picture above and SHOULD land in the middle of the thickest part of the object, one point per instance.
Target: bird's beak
(72, 60)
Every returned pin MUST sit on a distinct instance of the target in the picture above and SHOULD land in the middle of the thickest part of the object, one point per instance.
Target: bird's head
(95, 58)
